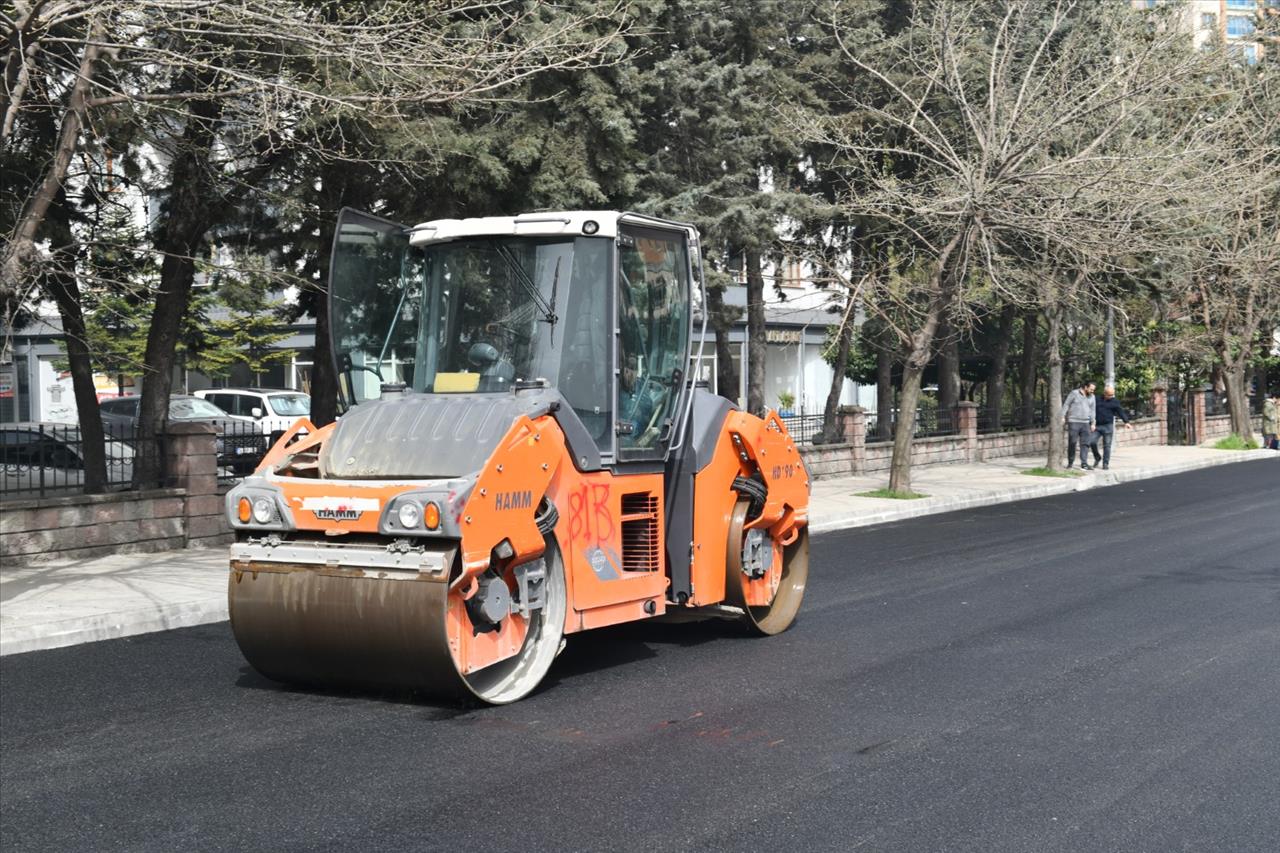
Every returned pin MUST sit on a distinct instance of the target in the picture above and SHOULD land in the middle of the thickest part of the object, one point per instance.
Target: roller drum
(343, 628)
(370, 628)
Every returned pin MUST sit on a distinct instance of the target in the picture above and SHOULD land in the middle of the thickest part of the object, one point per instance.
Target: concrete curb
(1101, 479)
(112, 626)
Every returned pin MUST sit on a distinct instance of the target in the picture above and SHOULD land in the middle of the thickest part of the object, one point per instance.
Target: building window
(1209, 20)
(792, 273)
(1246, 53)
(1242, 4)
(1238, 25)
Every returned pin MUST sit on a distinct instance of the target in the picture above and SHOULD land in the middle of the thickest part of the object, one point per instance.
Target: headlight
(409, 515)
(261, 510)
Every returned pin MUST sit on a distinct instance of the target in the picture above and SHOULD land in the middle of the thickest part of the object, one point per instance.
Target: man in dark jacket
(1108, 409)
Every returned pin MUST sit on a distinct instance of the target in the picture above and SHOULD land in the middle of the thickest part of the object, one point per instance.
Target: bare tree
(1235, 288)
(997, 138)
(221, 89)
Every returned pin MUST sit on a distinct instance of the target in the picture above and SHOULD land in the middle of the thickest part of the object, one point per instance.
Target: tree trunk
(884, 385)
(65, 292)
(941, 286)
(1217, 379)
(1233, 373)
(756, 347)
(830, 411)
(726, 376)
(21, 246)
(999, 368)
(187, 218)
(948, 368)
(324, 368)
(1057, 443)
(1027, 371)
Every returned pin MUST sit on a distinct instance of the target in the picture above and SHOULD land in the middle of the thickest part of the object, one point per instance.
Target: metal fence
(1215, 405)
(1139, 407)
(807, 429)
(929, 422)
(1013, 420)
(47, 460)
(240, 446)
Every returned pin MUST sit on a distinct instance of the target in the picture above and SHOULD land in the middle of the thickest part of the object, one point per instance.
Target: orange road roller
(524, 453)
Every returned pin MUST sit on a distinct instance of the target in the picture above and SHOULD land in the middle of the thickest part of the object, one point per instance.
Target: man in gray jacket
(1079, 411)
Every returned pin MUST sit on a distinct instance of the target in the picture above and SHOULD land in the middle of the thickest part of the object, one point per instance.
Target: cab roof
(552, 223)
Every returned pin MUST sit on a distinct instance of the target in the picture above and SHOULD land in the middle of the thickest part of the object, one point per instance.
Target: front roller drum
(763, 577)
(370, 629)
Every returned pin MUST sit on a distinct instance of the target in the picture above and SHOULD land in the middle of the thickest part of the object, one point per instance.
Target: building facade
(1246, 27)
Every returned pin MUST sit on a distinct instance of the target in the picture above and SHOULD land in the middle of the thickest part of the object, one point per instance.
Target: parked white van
(273, 409)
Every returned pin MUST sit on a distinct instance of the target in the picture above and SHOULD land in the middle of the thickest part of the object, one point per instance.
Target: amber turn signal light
(244, 510)
(431, 516)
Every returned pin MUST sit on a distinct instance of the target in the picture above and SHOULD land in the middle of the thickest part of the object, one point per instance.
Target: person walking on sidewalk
(1107, 410)
(1078, 410)
(1271, 422)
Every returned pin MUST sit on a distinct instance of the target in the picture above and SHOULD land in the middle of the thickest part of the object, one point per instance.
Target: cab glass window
(653, 336)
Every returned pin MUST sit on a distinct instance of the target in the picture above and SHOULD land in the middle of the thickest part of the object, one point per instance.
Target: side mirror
(256, 412)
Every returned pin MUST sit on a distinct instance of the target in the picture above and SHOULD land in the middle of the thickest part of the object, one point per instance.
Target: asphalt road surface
(1098, 671)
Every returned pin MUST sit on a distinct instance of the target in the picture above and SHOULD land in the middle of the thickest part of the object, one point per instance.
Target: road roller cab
(524, 453)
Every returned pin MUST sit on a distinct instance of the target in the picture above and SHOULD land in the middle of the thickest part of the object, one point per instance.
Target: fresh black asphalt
(1096, 671)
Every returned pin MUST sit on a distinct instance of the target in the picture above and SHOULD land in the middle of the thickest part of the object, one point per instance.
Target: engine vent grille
(641, 545)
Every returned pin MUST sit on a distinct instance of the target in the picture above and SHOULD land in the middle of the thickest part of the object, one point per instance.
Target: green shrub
(1235, 442)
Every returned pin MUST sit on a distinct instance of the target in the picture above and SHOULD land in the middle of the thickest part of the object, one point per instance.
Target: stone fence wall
(190, 513)
(1219, 426)
(856, 456)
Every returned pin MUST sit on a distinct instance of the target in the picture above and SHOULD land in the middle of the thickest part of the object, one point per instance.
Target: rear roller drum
(764, 577)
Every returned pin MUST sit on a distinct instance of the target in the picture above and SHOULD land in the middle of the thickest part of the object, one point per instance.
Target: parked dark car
(239, 447)
(47, 458)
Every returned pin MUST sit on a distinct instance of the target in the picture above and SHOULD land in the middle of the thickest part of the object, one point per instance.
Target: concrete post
(1160, 405)
(191, 463)
(1196, 407)
(855, 435)
(967, 427)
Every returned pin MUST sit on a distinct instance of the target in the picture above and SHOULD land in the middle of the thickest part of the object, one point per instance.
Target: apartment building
(1246, 27)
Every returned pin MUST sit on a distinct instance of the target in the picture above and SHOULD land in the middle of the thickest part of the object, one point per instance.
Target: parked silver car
(240, 446)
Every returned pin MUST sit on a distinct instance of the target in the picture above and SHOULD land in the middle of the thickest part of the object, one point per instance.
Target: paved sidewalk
(63, 603)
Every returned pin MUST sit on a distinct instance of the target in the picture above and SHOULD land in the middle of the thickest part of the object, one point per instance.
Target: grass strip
(886, 493)
(1049, 472)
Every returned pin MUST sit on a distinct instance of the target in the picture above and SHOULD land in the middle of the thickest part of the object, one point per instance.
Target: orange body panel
(506, 496)
(472, 651)
(304, 494)
(746, 444)
(609, 580)
(281, 448)
(611, 528)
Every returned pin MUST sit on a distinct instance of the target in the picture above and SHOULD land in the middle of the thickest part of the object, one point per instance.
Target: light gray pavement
(836, 504)
(63, 603)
